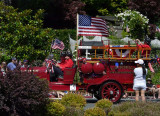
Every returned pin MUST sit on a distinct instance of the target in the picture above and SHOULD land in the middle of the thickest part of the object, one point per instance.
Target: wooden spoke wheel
(111, 91)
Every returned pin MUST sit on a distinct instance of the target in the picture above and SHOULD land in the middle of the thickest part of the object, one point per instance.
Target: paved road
(91, 101)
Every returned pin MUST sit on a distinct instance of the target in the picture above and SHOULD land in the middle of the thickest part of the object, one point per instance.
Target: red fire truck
(104, 70)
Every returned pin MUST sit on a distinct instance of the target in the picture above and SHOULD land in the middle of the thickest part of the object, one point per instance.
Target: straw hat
(149, 79)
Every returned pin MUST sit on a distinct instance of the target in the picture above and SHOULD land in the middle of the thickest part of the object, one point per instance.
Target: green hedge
(73, 100)
(136, 109)
(22, 34)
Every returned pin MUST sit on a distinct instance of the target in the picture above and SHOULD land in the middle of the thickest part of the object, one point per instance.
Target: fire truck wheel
(112, 91)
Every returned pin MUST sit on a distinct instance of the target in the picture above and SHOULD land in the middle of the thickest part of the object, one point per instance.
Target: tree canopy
(105, 7)
(21, 34)
(59, 14)
(149, 8)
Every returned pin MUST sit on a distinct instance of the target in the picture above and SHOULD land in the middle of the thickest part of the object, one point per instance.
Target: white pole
(77, 40)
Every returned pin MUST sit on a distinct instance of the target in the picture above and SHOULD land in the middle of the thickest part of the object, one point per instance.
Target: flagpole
(76, 79)
(77, 40)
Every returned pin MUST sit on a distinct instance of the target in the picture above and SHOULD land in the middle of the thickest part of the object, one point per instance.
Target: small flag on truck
(57, 44)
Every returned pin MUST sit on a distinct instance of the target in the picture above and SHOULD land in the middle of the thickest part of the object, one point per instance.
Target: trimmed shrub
(72, 111)
(22, 94)
(94, 112)
(119, 113)
(73, 100)
(55, 109)
(104, 104)
(137, 109)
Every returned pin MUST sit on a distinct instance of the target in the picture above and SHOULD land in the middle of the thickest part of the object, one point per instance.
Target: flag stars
(84, 20)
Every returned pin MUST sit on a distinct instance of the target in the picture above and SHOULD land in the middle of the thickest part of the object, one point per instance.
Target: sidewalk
(132, 98)
(53, 95)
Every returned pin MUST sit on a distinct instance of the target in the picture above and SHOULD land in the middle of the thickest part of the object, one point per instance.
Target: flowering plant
(136, 22)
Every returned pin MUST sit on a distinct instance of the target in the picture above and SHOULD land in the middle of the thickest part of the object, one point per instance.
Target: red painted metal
(124, 74)
(98, 68)
(86, 68)
(61, 86)
(38, 71)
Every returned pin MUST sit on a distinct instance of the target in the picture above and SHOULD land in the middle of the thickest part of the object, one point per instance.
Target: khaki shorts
(153, 89)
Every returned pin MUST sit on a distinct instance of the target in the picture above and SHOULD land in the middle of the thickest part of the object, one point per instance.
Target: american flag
(57, 44)
(89, 26)
(157, 29)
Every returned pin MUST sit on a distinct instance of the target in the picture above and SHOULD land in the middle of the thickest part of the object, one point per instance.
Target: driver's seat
(68, 74)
